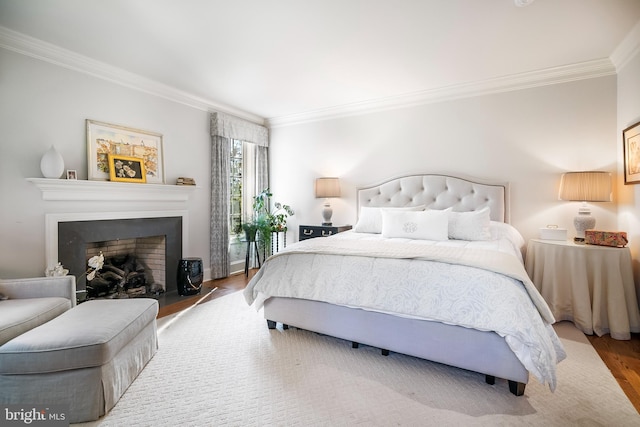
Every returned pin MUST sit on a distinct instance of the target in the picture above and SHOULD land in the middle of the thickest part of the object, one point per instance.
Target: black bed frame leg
(354, 344)
(272, 325)
(490, 379)
(516, 388)
(384, 352)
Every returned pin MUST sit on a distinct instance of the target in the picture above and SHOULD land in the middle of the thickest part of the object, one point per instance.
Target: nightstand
(311, 231)
(591, 286)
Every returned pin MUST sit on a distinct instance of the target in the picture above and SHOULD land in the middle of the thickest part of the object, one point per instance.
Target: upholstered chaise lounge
(85, 357)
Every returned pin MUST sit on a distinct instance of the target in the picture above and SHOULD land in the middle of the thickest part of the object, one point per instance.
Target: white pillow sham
(370, 218)
(473, 225)
(424, 225)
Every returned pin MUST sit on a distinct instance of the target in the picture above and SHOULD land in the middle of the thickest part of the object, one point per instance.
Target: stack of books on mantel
(186, 181)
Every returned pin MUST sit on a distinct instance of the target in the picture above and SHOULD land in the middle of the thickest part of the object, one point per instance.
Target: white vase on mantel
(52, 164)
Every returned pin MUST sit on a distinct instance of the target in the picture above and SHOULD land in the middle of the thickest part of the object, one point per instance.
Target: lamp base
(584, 221)
(327, 223)
(326, 213)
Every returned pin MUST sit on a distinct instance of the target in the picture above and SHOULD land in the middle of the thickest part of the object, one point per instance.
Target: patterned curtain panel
(219, 240)
(225, 127)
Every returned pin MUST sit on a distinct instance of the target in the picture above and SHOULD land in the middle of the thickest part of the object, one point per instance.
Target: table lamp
(593, 186)
(327, 188)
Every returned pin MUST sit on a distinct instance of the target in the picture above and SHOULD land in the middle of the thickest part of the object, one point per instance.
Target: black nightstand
(311, 231)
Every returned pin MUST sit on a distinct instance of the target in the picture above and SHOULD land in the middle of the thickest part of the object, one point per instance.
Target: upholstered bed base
(483, 352)
(478, 351)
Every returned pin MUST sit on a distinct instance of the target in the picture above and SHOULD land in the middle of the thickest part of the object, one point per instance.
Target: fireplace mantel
(85, 190)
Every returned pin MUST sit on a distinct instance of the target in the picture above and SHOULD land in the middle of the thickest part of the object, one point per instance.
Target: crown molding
(41, 50)
(627, 49)
(44, 51)
(549, 76)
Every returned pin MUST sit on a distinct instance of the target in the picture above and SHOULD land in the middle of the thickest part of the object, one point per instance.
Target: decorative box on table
(616, 239)
(553, 233)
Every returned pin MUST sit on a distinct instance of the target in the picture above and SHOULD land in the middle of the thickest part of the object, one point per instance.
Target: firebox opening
(133, 267)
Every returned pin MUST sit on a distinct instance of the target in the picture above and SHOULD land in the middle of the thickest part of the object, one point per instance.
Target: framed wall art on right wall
(631, 145)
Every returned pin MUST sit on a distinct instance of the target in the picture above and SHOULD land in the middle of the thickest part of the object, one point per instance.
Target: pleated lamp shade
(585, 187)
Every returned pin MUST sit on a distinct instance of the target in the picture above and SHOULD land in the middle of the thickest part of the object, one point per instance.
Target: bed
(432, 269)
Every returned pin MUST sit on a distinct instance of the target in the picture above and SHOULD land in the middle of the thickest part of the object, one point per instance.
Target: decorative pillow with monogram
(423, 225)
(370, 219)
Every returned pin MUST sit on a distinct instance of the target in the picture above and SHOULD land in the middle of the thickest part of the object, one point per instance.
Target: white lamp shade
(586, 186)
(327, 187)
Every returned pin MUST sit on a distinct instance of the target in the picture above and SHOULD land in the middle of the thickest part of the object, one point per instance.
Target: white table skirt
(592, 286)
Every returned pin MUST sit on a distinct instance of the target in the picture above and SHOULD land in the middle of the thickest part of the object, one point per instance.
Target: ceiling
(279, 59)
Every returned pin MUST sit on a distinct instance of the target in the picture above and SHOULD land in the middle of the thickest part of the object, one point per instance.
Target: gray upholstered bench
(85, 358)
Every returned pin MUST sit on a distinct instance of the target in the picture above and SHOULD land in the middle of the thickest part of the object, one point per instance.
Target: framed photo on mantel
(631, 145)
(126, 169)
(105, 138)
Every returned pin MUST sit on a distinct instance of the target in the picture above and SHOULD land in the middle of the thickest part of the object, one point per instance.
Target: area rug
(219, 365)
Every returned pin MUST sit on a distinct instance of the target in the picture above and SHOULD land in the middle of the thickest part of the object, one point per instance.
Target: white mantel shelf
(84, 190)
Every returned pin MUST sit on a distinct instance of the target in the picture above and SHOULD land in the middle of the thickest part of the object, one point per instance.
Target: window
(236, 171)
(242, 182)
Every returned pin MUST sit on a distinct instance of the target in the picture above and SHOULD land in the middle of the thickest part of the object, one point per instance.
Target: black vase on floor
(190, 276)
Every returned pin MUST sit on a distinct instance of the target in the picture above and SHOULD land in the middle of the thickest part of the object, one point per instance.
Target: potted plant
(257, 226)
(277, 218)
(266, 221)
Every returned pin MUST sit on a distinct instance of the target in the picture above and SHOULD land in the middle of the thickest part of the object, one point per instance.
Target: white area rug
(219, 365)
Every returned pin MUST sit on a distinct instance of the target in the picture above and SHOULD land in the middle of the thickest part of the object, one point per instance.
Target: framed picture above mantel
(631, 145)
(104, 139)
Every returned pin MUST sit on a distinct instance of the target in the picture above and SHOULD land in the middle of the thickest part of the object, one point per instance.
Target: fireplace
(78, 239)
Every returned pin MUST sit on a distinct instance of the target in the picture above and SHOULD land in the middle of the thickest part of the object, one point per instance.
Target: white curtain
(225, 127)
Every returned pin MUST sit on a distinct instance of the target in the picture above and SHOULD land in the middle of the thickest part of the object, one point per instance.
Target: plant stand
(275, 241)
(248, 256)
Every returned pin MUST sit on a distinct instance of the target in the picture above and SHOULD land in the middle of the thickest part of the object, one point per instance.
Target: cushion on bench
(21, 315)
(88, 335)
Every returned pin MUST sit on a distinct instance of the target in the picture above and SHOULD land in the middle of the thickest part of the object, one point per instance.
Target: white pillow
(425, 225)
(370, 218)
(472, 225)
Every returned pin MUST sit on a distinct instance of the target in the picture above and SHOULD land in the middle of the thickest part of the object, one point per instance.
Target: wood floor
(621, 357)
(231, 284)
(623, 360)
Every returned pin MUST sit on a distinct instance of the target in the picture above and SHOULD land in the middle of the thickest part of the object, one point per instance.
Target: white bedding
(422, 279)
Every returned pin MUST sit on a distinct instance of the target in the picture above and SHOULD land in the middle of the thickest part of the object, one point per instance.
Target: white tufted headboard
(438, 192)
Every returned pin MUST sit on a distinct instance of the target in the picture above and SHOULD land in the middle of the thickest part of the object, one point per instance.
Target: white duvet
(480, 285)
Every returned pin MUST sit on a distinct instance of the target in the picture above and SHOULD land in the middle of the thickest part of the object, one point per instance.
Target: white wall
(527, 137)
(42, 104)
(629, 114)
